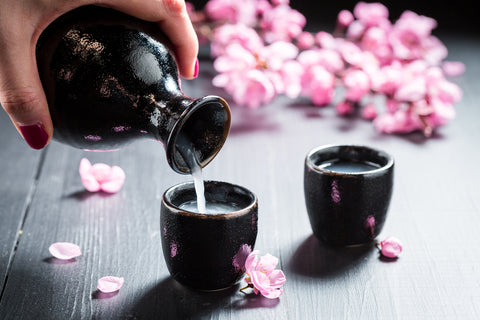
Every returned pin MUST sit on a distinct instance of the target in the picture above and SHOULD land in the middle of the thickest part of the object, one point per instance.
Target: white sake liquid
(199, 188)
(211, 207)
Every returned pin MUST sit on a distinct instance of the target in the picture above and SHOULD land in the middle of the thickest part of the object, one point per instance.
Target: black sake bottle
(111, 78)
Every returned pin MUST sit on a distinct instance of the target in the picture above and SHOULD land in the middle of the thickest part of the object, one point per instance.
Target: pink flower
(344, 18)
(371, 14)
(327, 58)
(262, 276)
(401, 121)
(391, 247)
(375, 40)
(357, 83)
(229, 34)
(318, 84)
(282, 23)
(305, 40)
(232, 11)
(388, 78)
(411, 91)
(453, 68)
(325, 40)
(101, 177)
(411, 39)
(344, 108)
(64, 250)
(109, 284)
(369, 112)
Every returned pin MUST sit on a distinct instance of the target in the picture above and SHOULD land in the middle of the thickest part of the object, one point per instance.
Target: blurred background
(452, 16)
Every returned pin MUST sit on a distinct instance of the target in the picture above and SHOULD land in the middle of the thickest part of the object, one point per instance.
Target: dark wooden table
(435, 211)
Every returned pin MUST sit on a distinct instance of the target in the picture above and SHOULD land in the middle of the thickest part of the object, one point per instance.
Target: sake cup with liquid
(347, 192)
(207, 251)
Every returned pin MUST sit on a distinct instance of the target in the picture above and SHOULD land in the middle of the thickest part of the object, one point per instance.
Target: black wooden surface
(435, 211)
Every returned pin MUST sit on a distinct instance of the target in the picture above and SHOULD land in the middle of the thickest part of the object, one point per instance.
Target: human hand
(22, 22)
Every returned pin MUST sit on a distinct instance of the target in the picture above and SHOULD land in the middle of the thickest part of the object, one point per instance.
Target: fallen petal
(64, 250)
(115, 181)
(90, 183)
(110, 284)
(391, 247)
(85, 166)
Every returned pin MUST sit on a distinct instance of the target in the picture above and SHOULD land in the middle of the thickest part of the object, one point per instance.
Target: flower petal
(115, 181)
(64, 250)
(267, 263)
(110, 284)
(260, 281)
(251, 262)
(101, 172)
(277, 279)
(391, 247)
(84, 168)
(90, 183)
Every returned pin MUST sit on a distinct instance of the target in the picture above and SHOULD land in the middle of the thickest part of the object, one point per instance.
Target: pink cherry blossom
(229, 34)
(344, 108)
(453, 68)
(344, 18)
(391, 247)
(371, 14)
(412, 91)
(369, 111)
(262, 275)
(64, 250)
(101, 177)
(253, 42)
(305, 40)
(357, 84)
(110, 284)
(282, 23)
(232, 11)
(318, 84)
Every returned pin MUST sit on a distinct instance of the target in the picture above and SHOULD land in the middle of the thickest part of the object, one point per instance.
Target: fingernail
(195, 72)
(34, 135)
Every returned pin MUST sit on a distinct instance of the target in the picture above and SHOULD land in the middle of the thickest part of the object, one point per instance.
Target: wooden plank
(435, 210)
(19, 165)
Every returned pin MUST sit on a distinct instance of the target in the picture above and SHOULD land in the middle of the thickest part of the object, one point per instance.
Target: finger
(172, 17)
(21, 92)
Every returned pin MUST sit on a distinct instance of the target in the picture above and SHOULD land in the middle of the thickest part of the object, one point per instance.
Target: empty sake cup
(347, 192)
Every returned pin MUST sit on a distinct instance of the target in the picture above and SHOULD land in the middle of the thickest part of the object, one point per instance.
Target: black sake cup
(347, 193)
(208, 251)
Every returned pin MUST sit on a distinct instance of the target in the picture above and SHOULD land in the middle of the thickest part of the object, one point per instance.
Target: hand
(22, 22)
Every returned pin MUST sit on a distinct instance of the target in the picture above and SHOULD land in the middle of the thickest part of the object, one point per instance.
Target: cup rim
(228, 215)
(379, 152)
(196, 106)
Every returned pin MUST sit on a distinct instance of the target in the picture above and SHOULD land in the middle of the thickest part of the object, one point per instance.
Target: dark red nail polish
(195, 72)
(34, 135)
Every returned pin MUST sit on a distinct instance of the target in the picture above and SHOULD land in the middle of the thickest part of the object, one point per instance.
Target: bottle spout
(199, 134)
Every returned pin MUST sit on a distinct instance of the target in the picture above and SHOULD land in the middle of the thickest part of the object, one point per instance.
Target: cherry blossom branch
(261, 50)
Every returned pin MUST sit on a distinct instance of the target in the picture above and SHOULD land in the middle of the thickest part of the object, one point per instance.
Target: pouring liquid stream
(196, 172)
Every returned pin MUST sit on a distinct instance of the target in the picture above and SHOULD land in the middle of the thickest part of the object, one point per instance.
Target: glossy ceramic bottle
(111, 78)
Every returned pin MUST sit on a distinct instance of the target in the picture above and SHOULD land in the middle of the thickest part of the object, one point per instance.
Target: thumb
(21, 93)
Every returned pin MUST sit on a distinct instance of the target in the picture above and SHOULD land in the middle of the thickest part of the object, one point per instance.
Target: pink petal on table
(90, 183)
(110, 284)
(64, 250)
(115, 181)
(101, 171)
(391, 247)
(85, 166)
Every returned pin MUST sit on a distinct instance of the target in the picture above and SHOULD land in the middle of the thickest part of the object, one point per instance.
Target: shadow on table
(315, 259)
(171, 300)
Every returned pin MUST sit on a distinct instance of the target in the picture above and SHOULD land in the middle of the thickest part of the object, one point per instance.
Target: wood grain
(435, 211)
